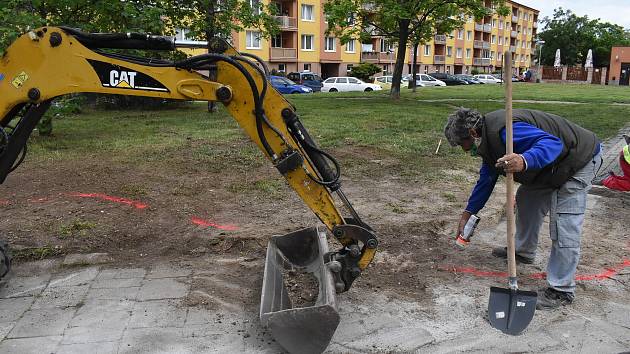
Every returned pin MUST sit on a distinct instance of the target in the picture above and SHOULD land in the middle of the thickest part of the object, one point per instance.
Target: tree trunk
(400, 57)
(413, 69)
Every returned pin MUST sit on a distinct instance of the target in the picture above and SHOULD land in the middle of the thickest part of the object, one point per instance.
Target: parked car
(307, 78)
(386, 81)
(286, 86)
(471, 80)
(423, 80)
(488, 79)
(347, 84)
(448, 79)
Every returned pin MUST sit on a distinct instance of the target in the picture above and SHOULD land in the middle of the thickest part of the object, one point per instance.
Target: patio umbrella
(557, 63)
(589, 59)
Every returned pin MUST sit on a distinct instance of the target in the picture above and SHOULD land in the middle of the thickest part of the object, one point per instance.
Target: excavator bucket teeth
(299, 327)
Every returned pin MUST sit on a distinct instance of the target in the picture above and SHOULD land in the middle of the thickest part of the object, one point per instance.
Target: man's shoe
(501, 252)
(549, 299)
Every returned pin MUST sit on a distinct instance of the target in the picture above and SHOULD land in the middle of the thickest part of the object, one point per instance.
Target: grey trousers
(566, 206)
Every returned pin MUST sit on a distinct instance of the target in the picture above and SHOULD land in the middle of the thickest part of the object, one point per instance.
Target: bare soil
(415, 222)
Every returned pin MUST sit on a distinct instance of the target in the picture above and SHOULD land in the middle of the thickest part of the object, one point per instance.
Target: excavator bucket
(299, 319)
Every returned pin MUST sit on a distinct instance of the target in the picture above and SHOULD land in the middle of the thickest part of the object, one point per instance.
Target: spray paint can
(463, 240)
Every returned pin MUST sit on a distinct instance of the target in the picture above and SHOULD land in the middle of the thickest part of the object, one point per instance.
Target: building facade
(302, 44)
(619, 73)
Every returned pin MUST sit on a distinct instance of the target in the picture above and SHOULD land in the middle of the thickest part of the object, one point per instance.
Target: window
(494, 39)
(385, 69)
(458, 52)
(349, 68)
(500, 40)
(282, 68)
(449, 51)
(276, 41)
(469, 36)
(500, 56)
(350, 46)
(255, 5)
(500, 24)
(342, 80)
(523, 44)
(329, 44)
(460, 34)
(307, 12)
(386, 47)
(330, 81)
(307, 67)
(427, 50)
(352, 80)
(491, 54)
(467, 53)
(252, 40)
(494, 23)
(307, 41)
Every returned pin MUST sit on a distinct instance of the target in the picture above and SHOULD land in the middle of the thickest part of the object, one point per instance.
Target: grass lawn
(407, 131)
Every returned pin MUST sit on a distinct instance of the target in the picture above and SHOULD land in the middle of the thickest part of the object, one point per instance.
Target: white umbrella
(557, 63)
(589, 59)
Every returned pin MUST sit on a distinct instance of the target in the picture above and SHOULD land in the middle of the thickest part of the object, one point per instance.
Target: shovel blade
(306, 329)
(511, 311)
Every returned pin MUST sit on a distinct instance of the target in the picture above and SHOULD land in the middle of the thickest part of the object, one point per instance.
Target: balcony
(378, 57)
(481, 61)
(286, 23)
(512, 48)
(513, 34)
(439, 59)
(283, 53)
(535, 25)
(440, 39)
(487, 28)
(514, 18)
(478, 27)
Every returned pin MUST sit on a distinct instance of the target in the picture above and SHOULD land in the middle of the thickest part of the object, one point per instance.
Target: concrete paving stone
(42, 322)
(200, 316)
(116, 283)
(168, 288)
(160, 313)
(23, 286)
(168, 271)
(121, 273)
(91, 306)
(67, 296)
(400, 339)
(12, 309)
(618, 314)
(5, 328)
(92, 348)
(84, 335)
(100, 317)
(39, 345)
(113, 294)
(81, 277)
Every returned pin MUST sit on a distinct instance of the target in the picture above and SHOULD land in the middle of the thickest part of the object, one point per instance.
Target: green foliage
(575, 35)
(75, 228)
(402, 22)
(363, 71)
(474, 71)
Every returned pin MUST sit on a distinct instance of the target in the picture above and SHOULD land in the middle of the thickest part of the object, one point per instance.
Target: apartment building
(303, 45)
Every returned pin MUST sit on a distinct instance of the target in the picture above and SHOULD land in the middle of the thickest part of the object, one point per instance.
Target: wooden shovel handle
(509, 148)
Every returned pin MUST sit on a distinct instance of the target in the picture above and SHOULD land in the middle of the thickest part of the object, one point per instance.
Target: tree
(399, 21)
(363, 71)
(575, 35)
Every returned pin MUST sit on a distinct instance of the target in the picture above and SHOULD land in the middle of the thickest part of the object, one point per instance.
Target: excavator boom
(53, 61)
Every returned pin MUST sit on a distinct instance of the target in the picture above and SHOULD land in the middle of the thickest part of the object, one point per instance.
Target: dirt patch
(302, 287)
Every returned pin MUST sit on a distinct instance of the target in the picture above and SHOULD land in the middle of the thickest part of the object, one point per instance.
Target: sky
(613, 11)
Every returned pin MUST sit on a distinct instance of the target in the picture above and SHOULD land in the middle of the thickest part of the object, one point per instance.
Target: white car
(423, 80)
(347, 84)
(488, 79)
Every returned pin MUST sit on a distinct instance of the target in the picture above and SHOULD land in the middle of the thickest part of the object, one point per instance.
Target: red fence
(551, 73)
(577, 74)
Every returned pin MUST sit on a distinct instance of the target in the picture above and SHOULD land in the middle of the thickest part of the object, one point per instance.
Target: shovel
(299, 329)
(510, 310)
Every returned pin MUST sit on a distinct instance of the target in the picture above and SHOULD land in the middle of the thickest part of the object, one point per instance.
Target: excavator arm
(53, 61)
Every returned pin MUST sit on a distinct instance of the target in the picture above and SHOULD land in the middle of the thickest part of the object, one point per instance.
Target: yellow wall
(309, 28)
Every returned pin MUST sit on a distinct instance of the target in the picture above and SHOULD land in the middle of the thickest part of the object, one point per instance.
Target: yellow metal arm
(52, 61)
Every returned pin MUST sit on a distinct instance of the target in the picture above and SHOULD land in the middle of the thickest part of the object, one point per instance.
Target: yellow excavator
(49, 62)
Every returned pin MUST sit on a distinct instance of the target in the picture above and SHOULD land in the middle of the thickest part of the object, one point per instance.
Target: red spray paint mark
(38, 200)
(605, 274)
(4, 202)
(133, 203)
(205, 223)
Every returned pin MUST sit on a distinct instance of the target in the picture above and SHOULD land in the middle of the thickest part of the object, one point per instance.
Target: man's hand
(511, 163)
(462, 222)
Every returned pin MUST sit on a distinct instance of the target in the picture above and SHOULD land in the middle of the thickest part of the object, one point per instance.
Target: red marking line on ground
(605, 274)
(38, 200)
(133, 203)
(205, 223)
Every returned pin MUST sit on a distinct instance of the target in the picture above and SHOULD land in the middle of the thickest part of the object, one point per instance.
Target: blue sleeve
(483, 189)
(538, 147)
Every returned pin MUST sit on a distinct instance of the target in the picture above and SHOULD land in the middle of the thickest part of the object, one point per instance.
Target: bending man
(555, 161)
